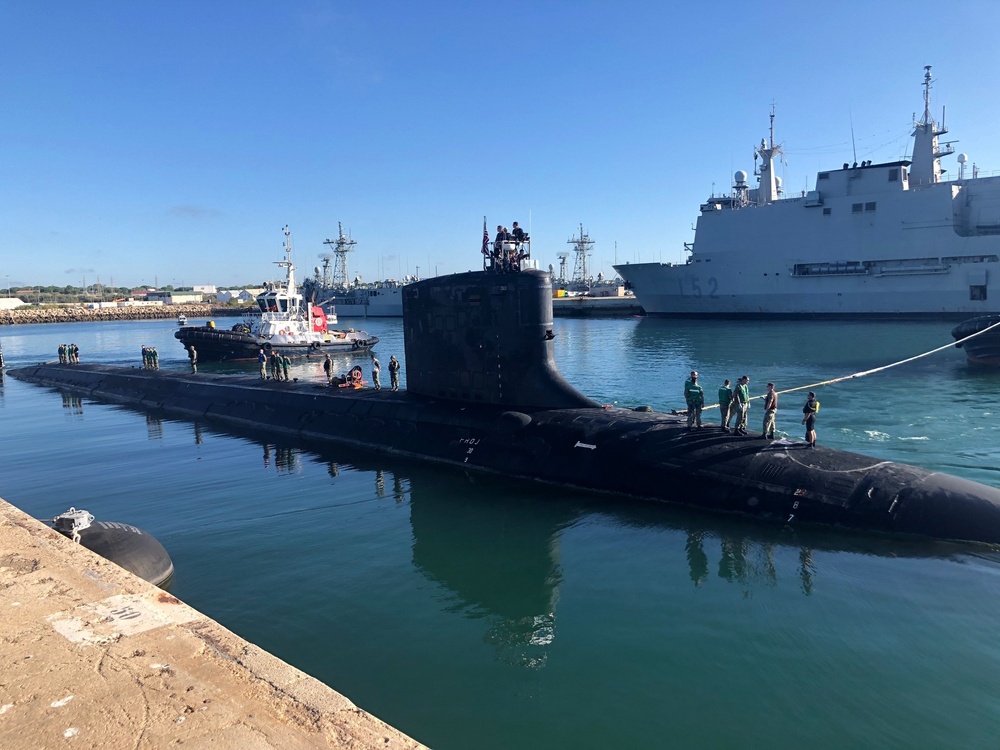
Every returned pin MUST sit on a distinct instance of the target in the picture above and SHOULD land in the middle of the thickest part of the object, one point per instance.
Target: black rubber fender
(131, 548)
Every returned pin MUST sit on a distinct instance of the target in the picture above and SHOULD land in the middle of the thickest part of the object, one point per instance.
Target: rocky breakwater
(81, 314)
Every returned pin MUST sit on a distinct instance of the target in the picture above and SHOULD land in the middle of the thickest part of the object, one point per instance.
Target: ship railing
(507, 256)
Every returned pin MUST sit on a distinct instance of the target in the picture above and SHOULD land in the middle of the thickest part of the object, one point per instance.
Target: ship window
(893, 175)
(970, 259)
(823, 176)
(856, 208)
(826, 211)
(977, 292)
(869, 207)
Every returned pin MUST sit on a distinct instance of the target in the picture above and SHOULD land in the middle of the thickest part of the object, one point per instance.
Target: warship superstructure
(891, 239)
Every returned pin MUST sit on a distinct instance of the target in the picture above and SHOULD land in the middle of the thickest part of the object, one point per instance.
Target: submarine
(484, 395)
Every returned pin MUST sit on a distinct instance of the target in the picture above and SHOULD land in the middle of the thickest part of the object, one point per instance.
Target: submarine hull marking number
(585, 445)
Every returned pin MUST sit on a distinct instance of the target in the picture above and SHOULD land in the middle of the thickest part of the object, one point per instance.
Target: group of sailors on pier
(508, 249)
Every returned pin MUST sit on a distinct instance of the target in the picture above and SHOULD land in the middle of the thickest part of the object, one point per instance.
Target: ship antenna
(854, 147)
(341, 247)
(772, 124)
(927, 94)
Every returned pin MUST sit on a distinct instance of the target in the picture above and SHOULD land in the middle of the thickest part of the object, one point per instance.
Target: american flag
(486, 238)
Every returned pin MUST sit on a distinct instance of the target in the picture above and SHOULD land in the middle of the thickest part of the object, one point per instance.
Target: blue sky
(172, 141)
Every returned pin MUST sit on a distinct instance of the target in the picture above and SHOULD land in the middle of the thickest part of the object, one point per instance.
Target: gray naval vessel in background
(892, 239)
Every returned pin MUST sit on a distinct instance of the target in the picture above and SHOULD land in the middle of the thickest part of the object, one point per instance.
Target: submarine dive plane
(484, 395)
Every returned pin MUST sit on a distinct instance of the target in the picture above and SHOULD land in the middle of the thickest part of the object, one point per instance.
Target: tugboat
(984, 347)
(282, 321)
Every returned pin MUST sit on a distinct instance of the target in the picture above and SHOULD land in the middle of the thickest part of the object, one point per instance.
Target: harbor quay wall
(80, 314)
(90, 653)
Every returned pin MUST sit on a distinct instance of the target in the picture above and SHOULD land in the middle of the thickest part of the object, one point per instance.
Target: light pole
(8, 286)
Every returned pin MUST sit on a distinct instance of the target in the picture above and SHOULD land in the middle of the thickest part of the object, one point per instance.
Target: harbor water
(475, 612)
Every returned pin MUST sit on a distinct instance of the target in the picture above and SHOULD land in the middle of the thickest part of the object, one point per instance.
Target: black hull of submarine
(484, 396)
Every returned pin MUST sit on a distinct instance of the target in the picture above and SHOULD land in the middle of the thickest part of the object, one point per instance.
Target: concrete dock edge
(92, 656)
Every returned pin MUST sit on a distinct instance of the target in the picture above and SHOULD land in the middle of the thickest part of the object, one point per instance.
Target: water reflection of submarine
(484, 394)
(499, 556)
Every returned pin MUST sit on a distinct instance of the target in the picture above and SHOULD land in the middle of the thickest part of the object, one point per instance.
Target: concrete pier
(91, 656)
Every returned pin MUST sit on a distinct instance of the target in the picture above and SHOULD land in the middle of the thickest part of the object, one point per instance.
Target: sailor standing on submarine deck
(726, 404)
(394, 372)
(770, 410)
(741, 399)
(809, 420)
(376, 369)
(694, 395)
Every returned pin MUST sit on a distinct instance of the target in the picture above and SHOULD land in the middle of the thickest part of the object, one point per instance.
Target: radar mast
(341, 247)
(581, 249)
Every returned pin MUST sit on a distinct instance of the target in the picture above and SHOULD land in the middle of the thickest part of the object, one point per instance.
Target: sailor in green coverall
(741, 399)
(694, 395)
(726, 405)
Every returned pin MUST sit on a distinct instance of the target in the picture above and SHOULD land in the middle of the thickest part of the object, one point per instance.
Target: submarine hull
(620, 452)
(484, 395)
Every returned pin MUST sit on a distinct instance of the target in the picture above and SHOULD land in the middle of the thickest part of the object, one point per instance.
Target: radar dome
(962, 158)
(741, 177)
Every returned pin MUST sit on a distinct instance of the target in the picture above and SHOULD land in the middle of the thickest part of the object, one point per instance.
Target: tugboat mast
(287, 262)
(291, 291)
